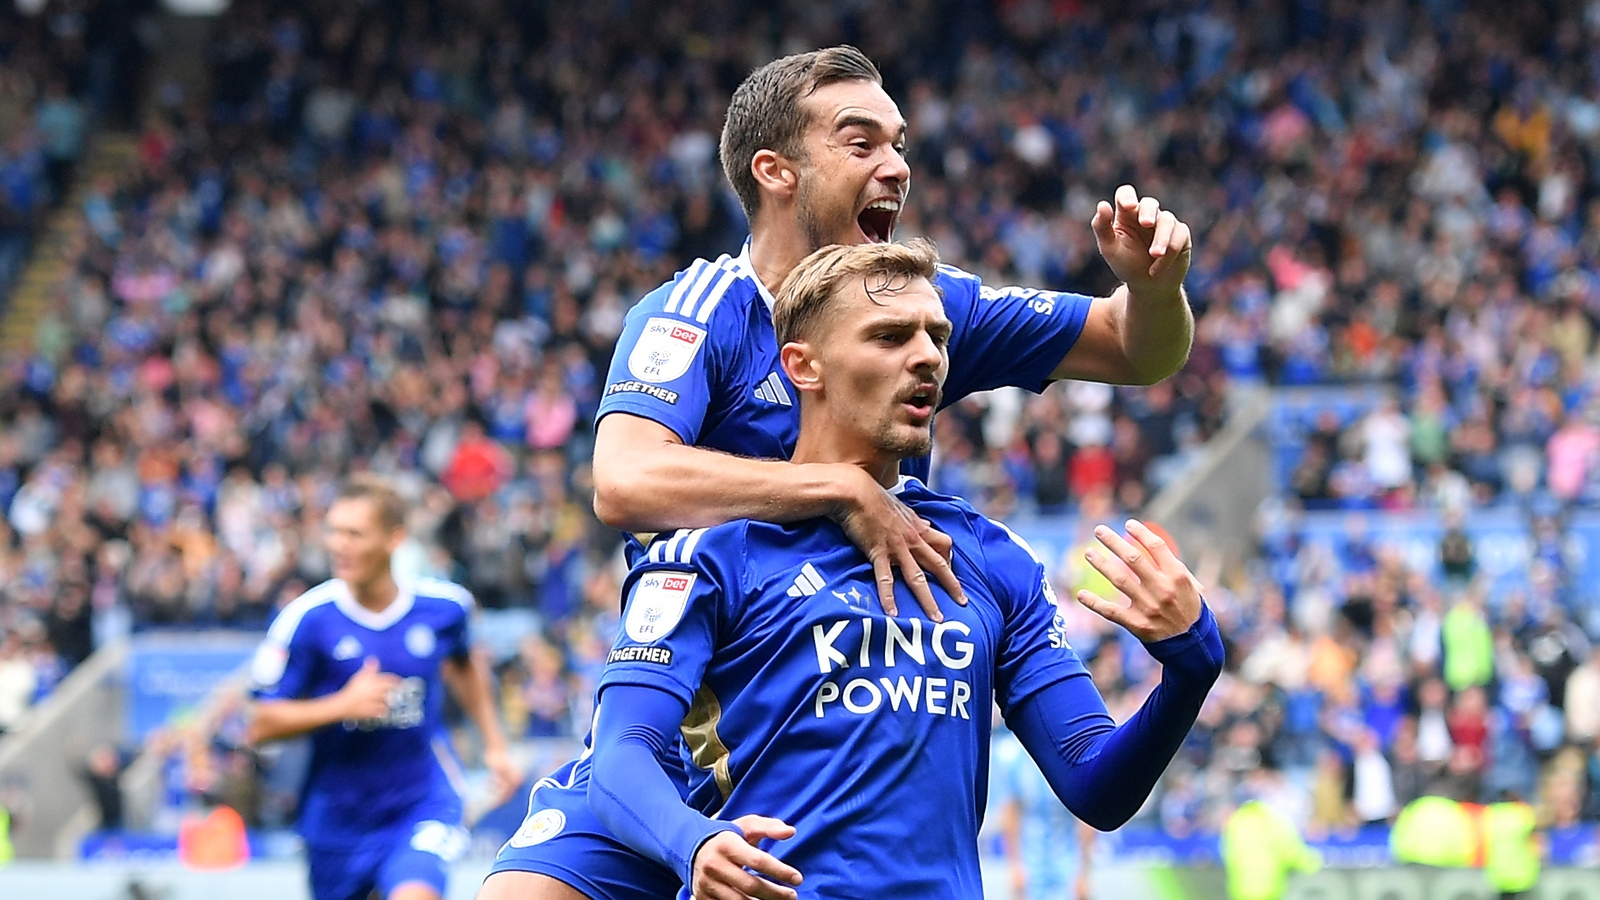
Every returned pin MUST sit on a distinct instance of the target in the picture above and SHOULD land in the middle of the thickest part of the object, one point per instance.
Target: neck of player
(777, 244)
(375, 593)
(825, 440)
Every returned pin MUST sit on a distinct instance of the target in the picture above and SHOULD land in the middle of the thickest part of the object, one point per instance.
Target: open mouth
(877, 220)
(923, 401)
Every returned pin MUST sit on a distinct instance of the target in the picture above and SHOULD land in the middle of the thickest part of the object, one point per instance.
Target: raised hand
(893, 536)
(366, 694)
(1164, 596)
(720, 864)
(1146, 246)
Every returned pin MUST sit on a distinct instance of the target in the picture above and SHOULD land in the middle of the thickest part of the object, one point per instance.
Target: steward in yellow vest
(1511, 848)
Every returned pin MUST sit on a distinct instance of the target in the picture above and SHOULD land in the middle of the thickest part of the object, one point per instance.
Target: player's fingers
(1165, 223)
(712, 884)
(1126, 199)
(938, 540)
(943, 572)
(1160, 552)
(1177, 250)
(1149, 209)
(763, 863)
(1182, 237)
(1104, 608)
(1116, 573)
(760, 828)
(1104, 216)
(883, 575)
(917, 581)
(751, 864)
(1137, 558)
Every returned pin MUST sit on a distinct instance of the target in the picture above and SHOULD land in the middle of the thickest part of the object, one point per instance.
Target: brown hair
(765, 114)
(813, 286)
(385, 499)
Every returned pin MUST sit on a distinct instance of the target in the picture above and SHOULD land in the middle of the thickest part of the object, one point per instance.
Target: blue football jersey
(868, 733)
(369, 776)
(699, 354)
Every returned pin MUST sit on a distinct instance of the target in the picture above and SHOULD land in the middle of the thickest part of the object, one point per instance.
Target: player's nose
(924, 353)
(894, 169)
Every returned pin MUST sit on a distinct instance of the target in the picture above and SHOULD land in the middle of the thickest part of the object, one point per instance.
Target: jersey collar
(902, 484)
(743, 264)
(377, 621)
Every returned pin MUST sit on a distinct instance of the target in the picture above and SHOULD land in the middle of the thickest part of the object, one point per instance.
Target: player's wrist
(1148, 295)
(844, 488)
(1197, 650)
(713, 828)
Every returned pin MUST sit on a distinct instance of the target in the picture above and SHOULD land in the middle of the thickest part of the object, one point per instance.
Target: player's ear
(775, 174)
(801, 365)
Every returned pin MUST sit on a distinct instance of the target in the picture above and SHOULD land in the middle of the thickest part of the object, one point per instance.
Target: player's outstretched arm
(1103, 772)
(632, 794)
(646, 480)
(364, 696)
(467, 677)
(1143, 331)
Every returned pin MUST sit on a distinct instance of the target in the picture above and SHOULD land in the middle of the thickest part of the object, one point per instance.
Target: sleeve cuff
(716, 828)
(646, 410)
(1199, 649)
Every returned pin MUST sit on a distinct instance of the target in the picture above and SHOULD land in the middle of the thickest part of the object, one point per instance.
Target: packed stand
(60, 73)
(403, 238)
(60, 70)
(398, 239)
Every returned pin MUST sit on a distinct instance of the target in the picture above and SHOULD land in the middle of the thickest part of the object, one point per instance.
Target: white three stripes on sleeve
(677, 548)
(702, 284)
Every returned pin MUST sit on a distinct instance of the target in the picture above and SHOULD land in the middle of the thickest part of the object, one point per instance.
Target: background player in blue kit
(862, 736)
(359, 662)
(1048, 853)
(697, 416)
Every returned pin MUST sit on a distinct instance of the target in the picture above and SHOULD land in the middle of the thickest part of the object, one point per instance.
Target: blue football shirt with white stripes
(699, 354)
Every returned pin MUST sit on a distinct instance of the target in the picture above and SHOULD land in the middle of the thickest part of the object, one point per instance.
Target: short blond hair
(814, 285)
(385, 499)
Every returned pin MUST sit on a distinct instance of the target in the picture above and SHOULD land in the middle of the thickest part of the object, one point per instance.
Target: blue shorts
(422, 852)
(561, 838)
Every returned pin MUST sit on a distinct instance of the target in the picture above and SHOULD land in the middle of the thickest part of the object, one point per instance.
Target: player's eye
(900, 149)
(889, 338)
(862, 146)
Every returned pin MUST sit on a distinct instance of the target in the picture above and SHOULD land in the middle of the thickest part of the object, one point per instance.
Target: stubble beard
(812, 227)
(891, 439)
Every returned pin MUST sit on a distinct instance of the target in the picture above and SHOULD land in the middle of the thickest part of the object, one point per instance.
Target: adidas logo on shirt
(808, 582)
(773, 391)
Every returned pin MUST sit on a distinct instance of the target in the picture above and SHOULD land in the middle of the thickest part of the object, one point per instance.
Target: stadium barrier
(286, 880)
(1211, 506)
(175, 676)
(41, 761)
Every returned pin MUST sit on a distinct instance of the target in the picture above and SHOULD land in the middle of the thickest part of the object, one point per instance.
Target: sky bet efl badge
(658, 604)
(665, 350)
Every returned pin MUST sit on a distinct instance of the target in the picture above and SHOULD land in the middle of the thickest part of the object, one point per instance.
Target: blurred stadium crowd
(402, 237)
